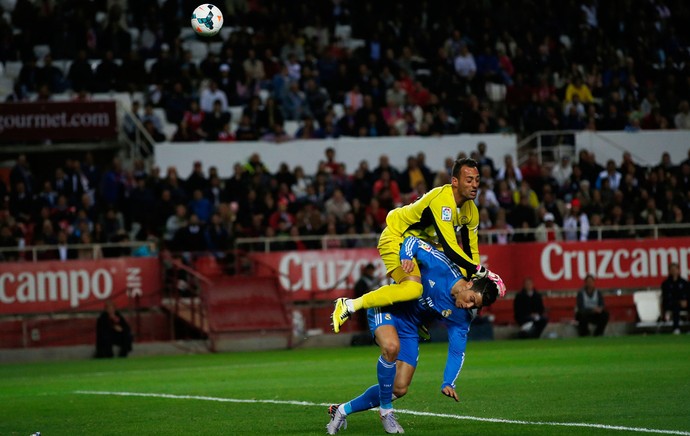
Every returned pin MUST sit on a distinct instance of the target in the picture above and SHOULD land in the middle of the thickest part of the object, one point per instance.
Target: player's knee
(390, 350)
(412, 288)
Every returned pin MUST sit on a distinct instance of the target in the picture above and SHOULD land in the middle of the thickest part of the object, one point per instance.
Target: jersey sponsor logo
(446, 313)
(432, 283)
(446, 213)
(424, 246)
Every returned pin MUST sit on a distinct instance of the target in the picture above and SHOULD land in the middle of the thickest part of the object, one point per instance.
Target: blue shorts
(405, 317)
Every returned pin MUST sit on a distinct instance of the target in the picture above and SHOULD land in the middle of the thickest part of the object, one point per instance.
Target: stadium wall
(308, 153)
(617, 264)
(645, 147)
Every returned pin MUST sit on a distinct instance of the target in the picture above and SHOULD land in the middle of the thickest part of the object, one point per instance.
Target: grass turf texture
(624, 381)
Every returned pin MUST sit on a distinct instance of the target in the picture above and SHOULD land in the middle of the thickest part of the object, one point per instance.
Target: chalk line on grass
(400, 411)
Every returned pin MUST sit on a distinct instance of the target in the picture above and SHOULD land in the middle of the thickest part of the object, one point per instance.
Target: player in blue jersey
(448, 296)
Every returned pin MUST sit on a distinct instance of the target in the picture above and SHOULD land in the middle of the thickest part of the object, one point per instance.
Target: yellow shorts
(389, 249)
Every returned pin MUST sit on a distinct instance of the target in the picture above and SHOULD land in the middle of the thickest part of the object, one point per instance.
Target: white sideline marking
(402, 411)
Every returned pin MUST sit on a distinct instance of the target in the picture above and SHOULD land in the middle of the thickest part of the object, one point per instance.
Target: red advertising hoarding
(53, 286)
(616, 264)
(63, 121)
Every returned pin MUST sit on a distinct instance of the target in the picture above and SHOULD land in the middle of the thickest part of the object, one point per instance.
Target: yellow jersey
(435, 218)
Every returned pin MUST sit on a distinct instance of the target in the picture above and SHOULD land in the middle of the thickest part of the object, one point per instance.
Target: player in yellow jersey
(434, 218)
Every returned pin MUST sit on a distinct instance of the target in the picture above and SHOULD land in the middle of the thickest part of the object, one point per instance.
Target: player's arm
(457, 342)
(408, 252)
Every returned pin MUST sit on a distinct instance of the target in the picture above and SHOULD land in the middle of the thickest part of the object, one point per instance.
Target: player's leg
(407, 286)
(383, 326)
(407, 355)
(403, 378)
(389, 343)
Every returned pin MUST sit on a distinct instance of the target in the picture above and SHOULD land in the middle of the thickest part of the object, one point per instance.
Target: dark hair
(463, 162)
(487, 288)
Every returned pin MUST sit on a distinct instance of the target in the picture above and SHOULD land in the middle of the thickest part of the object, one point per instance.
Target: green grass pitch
(639, 382)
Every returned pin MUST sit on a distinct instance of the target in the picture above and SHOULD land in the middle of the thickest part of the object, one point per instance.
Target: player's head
(475, 294)
(466, 178)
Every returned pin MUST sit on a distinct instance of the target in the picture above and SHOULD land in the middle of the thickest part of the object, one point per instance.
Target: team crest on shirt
(446, 313)
(387, 316)
(446, 213)
(464, 220)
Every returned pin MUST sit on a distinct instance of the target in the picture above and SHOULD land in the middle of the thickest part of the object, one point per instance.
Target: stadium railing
(325, 242)
(32, 253)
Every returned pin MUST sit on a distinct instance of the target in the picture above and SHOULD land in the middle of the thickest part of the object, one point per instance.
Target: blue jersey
(439, 275)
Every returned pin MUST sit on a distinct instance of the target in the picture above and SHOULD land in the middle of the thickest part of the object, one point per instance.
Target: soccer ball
(207, 20)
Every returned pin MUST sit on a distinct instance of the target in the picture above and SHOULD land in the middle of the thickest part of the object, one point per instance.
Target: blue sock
(366, 401)
(386, 374)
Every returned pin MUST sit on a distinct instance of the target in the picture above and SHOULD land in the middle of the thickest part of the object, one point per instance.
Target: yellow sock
(389, 294)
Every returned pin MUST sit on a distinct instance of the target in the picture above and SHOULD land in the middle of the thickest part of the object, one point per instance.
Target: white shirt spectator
(209, 96)
(576, 228)
(613, 178)
(562, 171)
(465, 65)
(682, 118)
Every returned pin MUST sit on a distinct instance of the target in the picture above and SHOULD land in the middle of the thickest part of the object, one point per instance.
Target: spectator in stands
(8, 240)
(548, 230)
(190, 238)
(156, 135)
(210, 95)
(611, 174)
(576, 222)
(107, 75)
(176, 102)
(579, 88)
(528, 309)
(175, 222)
(675, 295)
(294, 103)
(590, 309)
(90, 251)
(562, 172)
(20, 203)
(308, 130)
(253, 70)
(150, 115)
(51, 75)
(80, 73)
(465, 67)
(277, 134)
(217, 237)
(269, 115)
(200, 206)
(681, 120)
(112, 330)
(338, 205)
(216, 121)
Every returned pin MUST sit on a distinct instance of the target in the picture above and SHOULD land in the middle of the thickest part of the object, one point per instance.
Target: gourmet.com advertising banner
(53, 286)
(94, 120)
(553, 266)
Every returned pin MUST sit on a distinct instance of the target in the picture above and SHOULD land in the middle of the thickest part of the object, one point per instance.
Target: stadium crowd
(84, 203)
(420, 68)
(394, 67)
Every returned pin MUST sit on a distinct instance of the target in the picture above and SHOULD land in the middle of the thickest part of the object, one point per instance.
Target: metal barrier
(325, 242)
(96, 251)
(499, 236)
